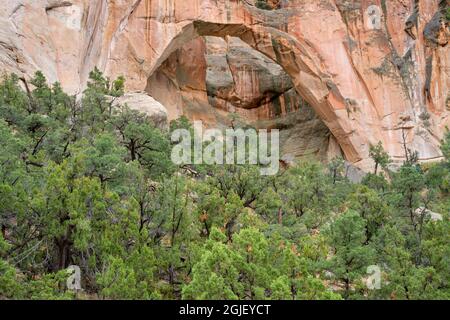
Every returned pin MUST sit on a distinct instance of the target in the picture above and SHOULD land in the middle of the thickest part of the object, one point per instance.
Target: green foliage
(347, 237)
(306, 195)
(88, 184)
(214, 276)
(130, 279)
(336, 168)
(144, 143)
(252, 268)
(379, 156)
(445, 147)
(371, 207)
(262, 4)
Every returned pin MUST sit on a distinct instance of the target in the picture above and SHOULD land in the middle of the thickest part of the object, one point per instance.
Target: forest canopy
(87, 184)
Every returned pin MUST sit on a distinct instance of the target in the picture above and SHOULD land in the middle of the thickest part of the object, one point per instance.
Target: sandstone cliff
(368, 70)
(211, 78)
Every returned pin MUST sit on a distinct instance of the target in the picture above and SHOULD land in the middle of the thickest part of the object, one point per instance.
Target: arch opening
(224, 80)
(295, 59)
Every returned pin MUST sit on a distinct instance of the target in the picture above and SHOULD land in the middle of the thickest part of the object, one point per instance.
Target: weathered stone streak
(367, 83)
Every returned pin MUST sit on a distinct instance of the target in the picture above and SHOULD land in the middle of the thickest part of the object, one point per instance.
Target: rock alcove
(217, 79)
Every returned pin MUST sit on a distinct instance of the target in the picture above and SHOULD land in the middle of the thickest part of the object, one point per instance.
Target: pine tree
(351, 257)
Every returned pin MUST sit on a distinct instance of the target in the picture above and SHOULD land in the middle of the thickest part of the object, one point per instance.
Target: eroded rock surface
(369, 69)
(144, 103)
(213, 79)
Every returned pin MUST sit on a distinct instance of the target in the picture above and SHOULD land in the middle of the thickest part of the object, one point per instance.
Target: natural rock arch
(367, 79)
(265, 32)
(291, 57)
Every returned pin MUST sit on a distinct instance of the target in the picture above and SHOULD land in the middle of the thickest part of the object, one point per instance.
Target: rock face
(372, 70)
(239, 77)
(217, 80)
(144, 103)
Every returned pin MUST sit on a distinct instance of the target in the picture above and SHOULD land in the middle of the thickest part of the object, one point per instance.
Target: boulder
(144, 103)
(433, 216)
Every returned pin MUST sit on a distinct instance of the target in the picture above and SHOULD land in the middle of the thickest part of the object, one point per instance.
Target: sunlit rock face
(370, 70)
